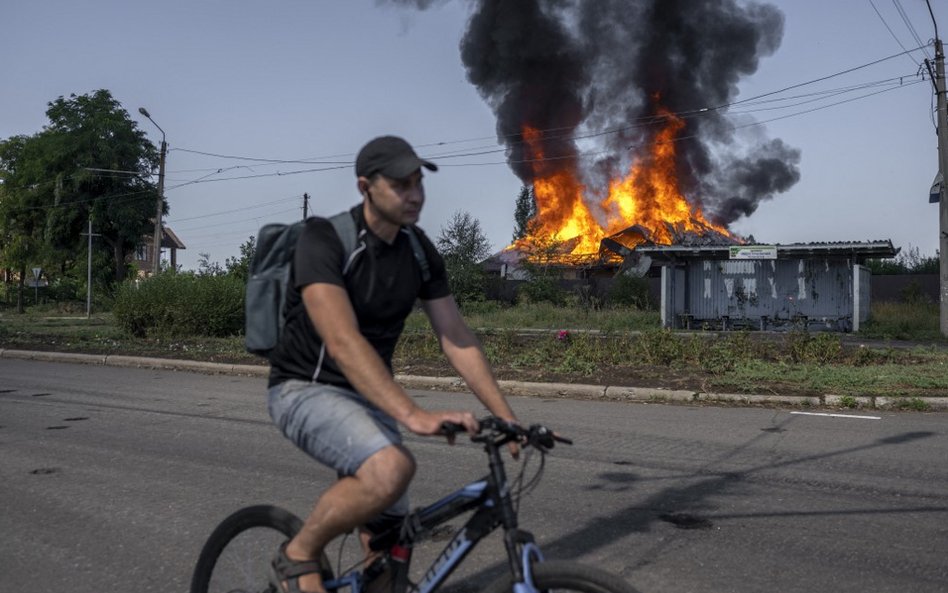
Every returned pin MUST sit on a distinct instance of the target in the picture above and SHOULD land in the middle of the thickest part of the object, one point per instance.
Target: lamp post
(161, 192)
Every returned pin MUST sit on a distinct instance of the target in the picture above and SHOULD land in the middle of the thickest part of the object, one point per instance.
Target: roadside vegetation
(608, 345)
(547, 333)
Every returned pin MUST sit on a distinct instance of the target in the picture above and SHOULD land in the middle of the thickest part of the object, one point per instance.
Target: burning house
(615, 113)
(618, 115)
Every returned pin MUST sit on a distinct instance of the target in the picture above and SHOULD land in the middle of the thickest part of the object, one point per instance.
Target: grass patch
(913, 378)
(491, 315)
(903, 321)
(738, 362)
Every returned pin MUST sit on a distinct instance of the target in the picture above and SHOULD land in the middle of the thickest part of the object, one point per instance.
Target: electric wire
(891, 32)
(909, 26)
(262, 160)
(221, 213)
(130, 195)
(513, 138)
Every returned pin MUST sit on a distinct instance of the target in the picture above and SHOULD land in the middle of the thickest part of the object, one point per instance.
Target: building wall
(904, 287)
(766, 294)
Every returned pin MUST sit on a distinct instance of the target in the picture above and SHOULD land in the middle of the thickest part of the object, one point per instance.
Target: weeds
(903, 321)
(848, 401)
(738, 362)
(823, 348)
(912, 403)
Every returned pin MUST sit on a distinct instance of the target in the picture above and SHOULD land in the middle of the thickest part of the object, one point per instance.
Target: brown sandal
(286, 570)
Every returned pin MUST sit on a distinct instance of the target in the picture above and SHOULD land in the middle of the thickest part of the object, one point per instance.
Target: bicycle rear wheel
(557, 575)
(236, 557)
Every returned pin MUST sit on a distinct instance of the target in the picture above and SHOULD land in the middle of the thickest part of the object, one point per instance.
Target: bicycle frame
(490, 497)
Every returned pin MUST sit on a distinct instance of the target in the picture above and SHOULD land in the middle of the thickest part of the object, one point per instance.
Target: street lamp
(161, 192)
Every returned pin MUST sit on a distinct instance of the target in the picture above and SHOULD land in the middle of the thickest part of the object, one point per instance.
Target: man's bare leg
(349, 503)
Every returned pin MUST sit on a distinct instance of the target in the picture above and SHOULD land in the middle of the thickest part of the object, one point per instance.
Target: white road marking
(838, 415)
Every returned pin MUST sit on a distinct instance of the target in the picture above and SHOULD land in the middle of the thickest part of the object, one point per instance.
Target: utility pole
(305, 206)
(89, 270)
(161, 194)
(942, 115)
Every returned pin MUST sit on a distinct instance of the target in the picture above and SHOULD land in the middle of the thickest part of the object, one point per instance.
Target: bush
(181, 304)
(541, 289)
(659, 347)
(627, 291)
(467, 280)
(824, 348)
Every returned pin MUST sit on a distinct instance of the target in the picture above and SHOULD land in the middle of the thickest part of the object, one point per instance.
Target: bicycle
(494, 502)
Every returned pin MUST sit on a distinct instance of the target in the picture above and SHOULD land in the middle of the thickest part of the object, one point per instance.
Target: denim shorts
(335, 426)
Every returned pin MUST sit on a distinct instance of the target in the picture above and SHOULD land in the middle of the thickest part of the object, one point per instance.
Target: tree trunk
(119, 255)
(19, 292)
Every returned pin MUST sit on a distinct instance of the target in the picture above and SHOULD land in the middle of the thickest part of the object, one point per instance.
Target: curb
(118, 360)
(523, 388)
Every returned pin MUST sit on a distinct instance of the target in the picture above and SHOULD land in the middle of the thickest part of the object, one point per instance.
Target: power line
(280, 201)
(891, 32)
(492, 149)
(908, 25)
(277, 174)
(262, 160)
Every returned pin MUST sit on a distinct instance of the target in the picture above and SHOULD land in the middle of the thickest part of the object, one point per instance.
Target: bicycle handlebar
(501, 431)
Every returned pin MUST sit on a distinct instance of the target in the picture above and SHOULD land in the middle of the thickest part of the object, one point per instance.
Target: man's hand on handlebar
(429, 423)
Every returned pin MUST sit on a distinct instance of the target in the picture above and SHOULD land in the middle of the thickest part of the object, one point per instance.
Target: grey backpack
(268, 283)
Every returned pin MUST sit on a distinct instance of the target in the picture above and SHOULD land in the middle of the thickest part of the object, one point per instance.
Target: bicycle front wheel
(236, 557)
(557, 575)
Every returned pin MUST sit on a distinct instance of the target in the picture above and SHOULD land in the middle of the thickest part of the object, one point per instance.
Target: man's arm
(331, 311)
(463, 351)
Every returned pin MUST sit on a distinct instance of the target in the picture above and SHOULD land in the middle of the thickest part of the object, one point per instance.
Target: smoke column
(600, 68)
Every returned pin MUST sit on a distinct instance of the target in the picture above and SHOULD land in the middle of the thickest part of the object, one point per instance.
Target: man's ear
(362, 184)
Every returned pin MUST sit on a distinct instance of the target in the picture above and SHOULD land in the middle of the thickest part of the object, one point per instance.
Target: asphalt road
(111, 479)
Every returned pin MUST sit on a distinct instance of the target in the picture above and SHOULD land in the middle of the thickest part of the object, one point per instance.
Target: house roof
(866, 249)
(169, 239)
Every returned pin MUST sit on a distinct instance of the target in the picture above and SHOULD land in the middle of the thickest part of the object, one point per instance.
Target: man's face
(398, 201)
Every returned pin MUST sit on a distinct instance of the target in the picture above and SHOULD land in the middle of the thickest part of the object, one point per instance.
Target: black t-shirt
(383, 282)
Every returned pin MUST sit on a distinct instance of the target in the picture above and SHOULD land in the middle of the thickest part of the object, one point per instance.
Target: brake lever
(449, 429)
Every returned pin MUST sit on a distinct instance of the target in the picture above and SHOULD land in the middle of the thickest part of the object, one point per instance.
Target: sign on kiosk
(753, 252)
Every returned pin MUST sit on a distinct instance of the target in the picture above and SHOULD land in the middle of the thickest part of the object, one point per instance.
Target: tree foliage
(540, 257)
(89, 161)
(907, 262)
(239, 267)
(102, 163)
(524, 211)
(463, 245)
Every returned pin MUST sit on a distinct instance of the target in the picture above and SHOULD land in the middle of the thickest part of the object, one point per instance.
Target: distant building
(800, 285)
(143, 258)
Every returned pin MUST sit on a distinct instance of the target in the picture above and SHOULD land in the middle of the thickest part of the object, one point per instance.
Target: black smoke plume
(606, 73)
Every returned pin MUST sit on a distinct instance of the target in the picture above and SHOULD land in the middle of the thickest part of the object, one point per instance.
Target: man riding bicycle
(331, 389)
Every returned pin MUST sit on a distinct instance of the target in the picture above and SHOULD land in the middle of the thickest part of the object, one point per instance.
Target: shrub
(627, 291)
(659, 347)
(848, 401)
(823, 348)
(181, 304)
(541, 289)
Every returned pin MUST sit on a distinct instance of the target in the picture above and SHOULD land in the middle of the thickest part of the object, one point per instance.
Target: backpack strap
(346, 229)
(419, 252)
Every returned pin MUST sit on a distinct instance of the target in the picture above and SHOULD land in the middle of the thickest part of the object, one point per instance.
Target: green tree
(540, 258)
(907, 262)
(524, 211)
(463, 245)
(23, 210)
(96, 164)
(239, 267)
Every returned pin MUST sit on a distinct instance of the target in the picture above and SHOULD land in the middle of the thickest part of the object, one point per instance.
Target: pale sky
(314, 80)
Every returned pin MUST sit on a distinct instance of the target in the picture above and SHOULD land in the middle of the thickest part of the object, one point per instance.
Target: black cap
(391, 156)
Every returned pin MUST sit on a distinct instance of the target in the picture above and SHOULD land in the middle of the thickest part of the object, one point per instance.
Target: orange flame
(648, 196)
